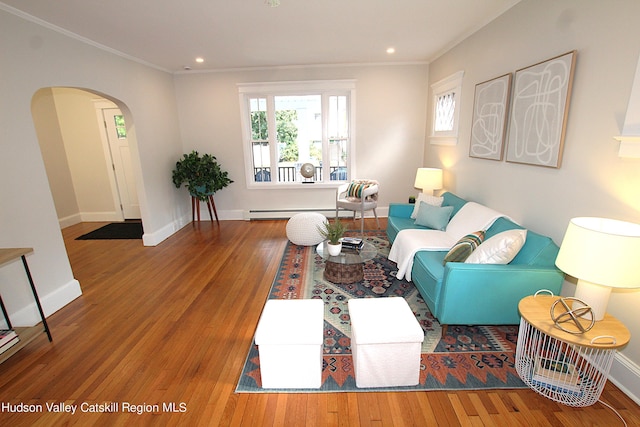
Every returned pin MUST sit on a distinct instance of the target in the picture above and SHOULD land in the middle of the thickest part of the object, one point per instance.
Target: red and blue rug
(467, 357)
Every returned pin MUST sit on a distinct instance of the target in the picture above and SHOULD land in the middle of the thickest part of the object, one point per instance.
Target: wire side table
(571, 369)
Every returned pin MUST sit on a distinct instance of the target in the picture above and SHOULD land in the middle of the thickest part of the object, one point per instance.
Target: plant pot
(334, 250)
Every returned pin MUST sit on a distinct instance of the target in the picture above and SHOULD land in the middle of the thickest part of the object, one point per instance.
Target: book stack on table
(557, 375)
(8, 338)
(352, 243)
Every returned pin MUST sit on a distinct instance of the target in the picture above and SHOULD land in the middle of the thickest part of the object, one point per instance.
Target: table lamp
(428, 179)
(602, 254)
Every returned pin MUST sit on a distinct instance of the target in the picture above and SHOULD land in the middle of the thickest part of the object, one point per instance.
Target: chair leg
(376, 215)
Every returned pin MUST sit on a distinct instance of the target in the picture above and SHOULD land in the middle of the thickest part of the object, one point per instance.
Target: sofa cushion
(464, 247)
(499, 249)
(427, 198)
(433, 216)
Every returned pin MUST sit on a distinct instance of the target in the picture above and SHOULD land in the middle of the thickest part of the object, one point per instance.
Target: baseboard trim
(70, 220)
(625, 374)
(100, 216)
(52, 302)
(157, 237)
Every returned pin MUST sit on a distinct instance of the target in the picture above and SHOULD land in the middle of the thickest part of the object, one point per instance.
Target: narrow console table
(568, 368)
(26, 335)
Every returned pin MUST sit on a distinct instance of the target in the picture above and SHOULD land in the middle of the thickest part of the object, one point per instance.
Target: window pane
(298, 127)
(121, 129)
(338, 125)
(260, 139)
(445, 108)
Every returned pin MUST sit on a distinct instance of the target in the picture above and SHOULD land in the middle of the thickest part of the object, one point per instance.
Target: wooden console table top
(10, 254)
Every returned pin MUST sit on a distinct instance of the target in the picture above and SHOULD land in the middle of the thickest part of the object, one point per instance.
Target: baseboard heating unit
(288, 213)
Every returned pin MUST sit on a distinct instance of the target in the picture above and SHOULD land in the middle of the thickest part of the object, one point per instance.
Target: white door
(121, 160)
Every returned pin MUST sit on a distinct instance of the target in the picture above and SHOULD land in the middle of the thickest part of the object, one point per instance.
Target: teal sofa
(478, 294)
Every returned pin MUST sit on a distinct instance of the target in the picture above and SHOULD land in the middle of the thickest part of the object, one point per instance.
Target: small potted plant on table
(333, 232)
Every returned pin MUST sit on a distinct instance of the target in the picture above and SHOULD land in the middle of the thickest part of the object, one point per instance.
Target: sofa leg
(444, 330)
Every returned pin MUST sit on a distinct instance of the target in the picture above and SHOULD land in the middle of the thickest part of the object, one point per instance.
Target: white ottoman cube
(289, 336)
(386, 339)
(302, 228)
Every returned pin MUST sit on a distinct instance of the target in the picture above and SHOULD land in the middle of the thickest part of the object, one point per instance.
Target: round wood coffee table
(348, 266)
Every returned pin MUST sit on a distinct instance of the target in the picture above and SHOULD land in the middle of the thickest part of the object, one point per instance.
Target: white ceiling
(170, 34)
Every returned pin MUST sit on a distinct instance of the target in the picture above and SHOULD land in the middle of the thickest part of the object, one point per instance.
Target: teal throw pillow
(433, 216)
(464, 247)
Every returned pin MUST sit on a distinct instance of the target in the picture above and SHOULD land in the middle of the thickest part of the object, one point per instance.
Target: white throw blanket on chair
(470, 218)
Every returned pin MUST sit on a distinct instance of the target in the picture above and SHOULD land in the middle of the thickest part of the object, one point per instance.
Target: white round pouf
(302, 228)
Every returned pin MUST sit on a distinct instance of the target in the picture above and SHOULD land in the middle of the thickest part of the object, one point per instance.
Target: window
(121, 129)
(286, 125)
(446, 109)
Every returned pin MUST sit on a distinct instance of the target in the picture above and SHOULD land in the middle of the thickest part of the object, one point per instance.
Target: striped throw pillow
(464, 247)
(356, 189)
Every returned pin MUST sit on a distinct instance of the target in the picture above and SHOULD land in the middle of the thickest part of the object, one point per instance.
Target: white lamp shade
(601, 251)
(428, 179)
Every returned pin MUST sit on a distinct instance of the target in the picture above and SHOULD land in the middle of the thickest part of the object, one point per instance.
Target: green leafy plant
(201, 173)
(333, 231)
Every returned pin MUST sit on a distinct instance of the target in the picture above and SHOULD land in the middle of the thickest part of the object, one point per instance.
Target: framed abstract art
(488, 128)
(539, 110)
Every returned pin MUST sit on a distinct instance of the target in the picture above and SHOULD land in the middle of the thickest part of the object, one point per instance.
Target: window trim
(450, 84)
(324, 88)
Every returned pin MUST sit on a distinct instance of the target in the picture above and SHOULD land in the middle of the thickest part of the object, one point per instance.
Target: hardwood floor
(172, 324)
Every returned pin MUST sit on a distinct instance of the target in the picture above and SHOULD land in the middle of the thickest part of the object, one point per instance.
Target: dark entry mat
(115, 230)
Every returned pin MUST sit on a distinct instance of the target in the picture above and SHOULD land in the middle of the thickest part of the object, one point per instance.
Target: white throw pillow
(427, 198)
(499, 249)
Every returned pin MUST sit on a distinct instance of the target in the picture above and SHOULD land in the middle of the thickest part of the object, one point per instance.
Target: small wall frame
(539, 110)
(488, 128)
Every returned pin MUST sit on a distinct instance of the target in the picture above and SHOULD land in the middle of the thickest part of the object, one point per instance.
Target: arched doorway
(91, 174)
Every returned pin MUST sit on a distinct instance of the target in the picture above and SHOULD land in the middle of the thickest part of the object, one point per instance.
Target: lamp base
(596, 296)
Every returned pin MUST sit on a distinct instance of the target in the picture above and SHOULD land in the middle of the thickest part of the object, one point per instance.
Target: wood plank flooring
(172, 324)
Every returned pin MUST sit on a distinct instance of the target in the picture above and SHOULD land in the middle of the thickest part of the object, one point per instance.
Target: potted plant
(333, 232)
(201, 173)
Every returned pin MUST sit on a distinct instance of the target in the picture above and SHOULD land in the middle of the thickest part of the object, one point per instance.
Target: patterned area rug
(468, 357)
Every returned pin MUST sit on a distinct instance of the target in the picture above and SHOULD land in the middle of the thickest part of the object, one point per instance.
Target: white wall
(78, 166)
(390, 110)
(592, 180)
(35, 57)
(85, 154)
(54, 155)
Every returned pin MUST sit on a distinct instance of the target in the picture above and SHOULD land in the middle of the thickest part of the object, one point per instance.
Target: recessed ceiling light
(199, 60)
(391, 50)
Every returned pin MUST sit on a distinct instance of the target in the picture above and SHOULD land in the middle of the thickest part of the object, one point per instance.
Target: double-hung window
(287, 125)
